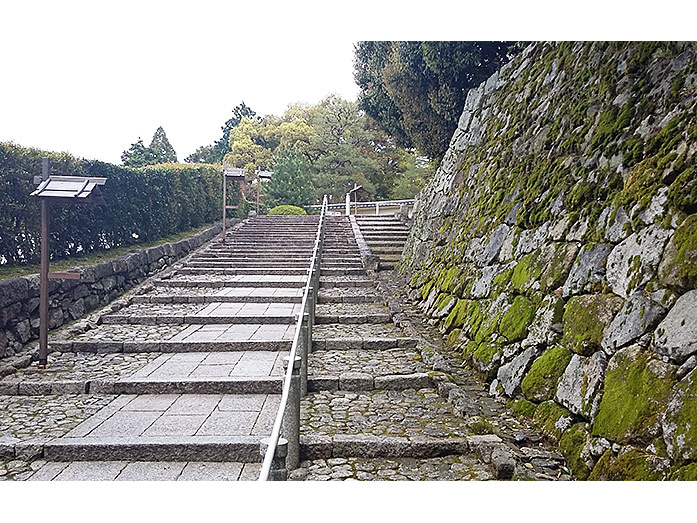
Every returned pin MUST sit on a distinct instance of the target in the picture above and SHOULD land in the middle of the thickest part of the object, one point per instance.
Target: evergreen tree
(160, 148)
(137, 155)
(290, 183)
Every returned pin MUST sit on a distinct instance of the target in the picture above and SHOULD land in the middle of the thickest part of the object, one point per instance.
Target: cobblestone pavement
(376, 363)
(50, 416)
(70, 366)
(350, 309)
(381, 413)
(361, 330)
(115, 332)
(350, 293)
(447, 468)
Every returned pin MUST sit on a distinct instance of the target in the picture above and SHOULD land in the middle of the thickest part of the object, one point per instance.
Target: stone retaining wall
(71, 299)
(556, 247)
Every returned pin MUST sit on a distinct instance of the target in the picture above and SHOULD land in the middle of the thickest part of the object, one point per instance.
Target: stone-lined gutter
(73, 299)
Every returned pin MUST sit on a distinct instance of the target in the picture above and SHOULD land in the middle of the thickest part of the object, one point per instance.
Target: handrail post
(278, 470)
(290, 429)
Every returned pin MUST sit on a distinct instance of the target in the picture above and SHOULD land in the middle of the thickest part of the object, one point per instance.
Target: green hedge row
(141, 204)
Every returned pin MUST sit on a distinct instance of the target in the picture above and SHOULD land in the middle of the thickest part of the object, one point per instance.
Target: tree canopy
(321, 149)
(159, 151)
(216, 152)
(415, 91)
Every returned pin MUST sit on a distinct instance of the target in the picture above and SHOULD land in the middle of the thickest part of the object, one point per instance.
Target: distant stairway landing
(386, 236)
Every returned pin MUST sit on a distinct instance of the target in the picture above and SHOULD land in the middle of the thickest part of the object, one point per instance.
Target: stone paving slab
(349, 295)
(224, 295)
(179, 415)
(407, 413)
(345, 281)
(137, 338)
(446, 468)
(139, 471)
(215, 312)
(214, 281)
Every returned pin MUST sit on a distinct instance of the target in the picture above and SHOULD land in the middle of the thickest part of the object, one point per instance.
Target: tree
(137, 155)
(290, 183)
(216, 152)
(416, 90)
(160, 148)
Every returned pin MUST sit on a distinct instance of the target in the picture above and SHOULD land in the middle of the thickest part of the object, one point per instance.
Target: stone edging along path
(70, 300)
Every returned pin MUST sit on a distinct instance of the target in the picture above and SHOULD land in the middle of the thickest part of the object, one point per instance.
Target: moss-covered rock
(558, 264)
(514, 323)
(527, 272)
(487, 358)
(522, 407)
(678, 268)
(680, 420)
(552, 420)
(540, 383)
(585, 320)
(686, 473)
(637, 389)
(633, 465)
(573, 445)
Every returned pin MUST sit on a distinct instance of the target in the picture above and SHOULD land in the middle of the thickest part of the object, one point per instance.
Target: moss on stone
(540, 383)
(526, 272)
(522, 407)
(637, 388)
(514, 323)
(552, 420)
(585, 320)
(686, 473)
(686, 243)
(680, 421)
(571, 445)
(478, 426)
(453, 337)
(633, 465)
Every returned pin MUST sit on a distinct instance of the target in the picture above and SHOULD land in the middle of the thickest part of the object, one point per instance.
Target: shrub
(142, 204)
(286, 210)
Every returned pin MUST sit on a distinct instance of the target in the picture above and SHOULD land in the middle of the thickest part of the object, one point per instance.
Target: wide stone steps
(225, 295)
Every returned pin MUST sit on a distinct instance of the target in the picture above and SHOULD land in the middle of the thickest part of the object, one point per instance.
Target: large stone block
(676, 335)
(586, 319)
(638, 315)
(588, 270)
(680, 420)
(636, 393)
(13, 290)
(581, 384)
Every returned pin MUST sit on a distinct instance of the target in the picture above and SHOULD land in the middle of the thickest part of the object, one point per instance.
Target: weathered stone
(632, 263)
(503, 462)
(680, 420)
(552, 419)
(676, 335)
(484, 445)
(585, 320)
(633, 465)
(620, 227)
(588, 270)
(511, 374)
(574, 444)
(23, 331)
(540, 331)
(580, 386)
(678, 268)
(636, 393)
(540, 383)
(13, 290)
(637, 316)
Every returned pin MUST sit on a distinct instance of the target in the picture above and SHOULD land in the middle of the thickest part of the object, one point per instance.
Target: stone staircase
(386, 236)
(214, 331)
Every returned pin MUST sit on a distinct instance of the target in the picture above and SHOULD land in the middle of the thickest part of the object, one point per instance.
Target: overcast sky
(90, 77)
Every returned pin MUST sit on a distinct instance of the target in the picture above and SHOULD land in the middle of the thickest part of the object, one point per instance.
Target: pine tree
(160, 148)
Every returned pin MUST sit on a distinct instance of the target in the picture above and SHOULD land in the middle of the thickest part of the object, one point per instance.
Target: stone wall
(71, 299)
(556, 247)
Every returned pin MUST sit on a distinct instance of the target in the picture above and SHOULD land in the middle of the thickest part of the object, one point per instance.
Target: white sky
(91, 77)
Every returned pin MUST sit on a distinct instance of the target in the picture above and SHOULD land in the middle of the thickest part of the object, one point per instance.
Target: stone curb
(362, 382)
(228, 448)
(221, 284)
(368, 446)
(215, 299)
(363, 343)
(108, 347)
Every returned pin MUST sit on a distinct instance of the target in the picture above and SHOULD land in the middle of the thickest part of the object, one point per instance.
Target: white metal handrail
(313, 269)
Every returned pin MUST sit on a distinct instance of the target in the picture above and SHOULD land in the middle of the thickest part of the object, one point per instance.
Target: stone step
(372, 244)
(272, 281)
(327, 271)
(226, 295)
(110, 347)
(173, 319)
(147, 471)
(232, 269)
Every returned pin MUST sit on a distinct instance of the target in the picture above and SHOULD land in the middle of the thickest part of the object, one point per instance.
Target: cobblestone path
(180, 379)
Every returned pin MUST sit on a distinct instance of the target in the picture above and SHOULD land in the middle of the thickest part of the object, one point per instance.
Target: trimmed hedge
(141, 204)
(286, 210)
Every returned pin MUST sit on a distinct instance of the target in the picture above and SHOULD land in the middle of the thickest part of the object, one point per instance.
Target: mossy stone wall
(563, 218)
